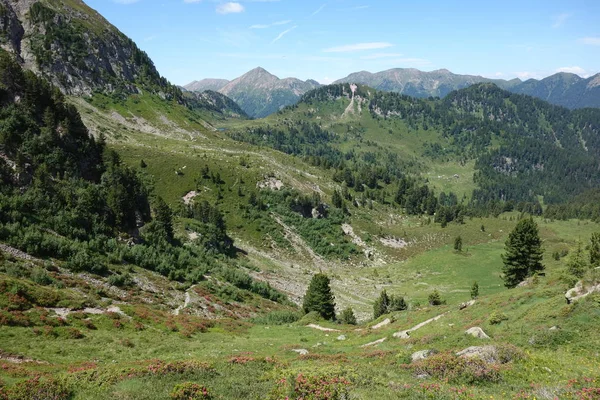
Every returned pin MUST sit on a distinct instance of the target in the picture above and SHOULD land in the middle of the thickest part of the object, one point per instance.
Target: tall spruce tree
(319, 297)
(523, 257)
(381, 305)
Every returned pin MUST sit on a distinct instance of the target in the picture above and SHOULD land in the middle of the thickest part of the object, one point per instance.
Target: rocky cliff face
(77, 49)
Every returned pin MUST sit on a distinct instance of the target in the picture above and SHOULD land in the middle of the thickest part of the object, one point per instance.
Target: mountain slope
(206, 84)
(260, 93)
(564, 89)
(78, 50)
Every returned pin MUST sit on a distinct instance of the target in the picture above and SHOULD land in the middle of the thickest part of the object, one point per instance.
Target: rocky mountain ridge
(258, 92)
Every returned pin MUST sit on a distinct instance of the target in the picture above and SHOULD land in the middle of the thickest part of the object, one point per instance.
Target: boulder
(421, 355)
(341, 337)
(464, 305)
(383, 323)
(302, 352)
(402, 335)
(477, 332)
(579, 292)
(486, 353)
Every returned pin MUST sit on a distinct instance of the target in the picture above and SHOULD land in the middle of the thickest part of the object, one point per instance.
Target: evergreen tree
(319, 297)
(458, 244)
(164, 217)
(337, 199)
(523, 257)
(474, 290)
(397, 304)
(347, 317)
(381, 305)
(435, 299)
(577, 264)
(595, 249)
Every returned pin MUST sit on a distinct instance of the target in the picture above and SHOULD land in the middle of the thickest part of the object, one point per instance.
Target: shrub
(190, 391)
(123, 280)
(448, 367)
(347, 316)
(74, 333)
(435, 299)
(313, 387)
(496, 318)
(38, 389)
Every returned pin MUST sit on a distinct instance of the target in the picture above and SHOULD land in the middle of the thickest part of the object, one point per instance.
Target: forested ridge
(524, 148)
(65, 196)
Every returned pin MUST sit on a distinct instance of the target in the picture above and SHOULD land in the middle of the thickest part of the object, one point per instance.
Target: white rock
(477, 332)
(302, 352)
(341, 337)
(421, 355)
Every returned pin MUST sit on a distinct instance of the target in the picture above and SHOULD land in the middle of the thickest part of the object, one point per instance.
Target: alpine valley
(404, 234)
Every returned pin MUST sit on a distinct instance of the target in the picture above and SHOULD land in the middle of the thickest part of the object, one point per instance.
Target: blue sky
(326, 40)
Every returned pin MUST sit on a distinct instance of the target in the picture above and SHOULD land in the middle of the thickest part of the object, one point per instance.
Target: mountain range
(260, 93)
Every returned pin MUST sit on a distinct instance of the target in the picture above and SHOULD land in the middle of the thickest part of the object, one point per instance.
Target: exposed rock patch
(477, 332)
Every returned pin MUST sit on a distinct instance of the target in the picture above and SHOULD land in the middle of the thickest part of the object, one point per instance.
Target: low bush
(190, 391)
(313, 387)
(448, 367)
(38, 389)
(497, 318)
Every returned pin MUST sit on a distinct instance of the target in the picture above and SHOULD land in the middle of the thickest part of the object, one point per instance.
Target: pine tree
(319, 297)
(381, 305)
(164, 217)
(595, 249)
(458, 244)
(337, 200)
(474, 290)
(435, 299)
(523, 257)
(577, 264)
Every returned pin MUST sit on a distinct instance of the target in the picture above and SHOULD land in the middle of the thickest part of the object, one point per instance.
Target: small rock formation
(469, 303)
(383, 323)
(554, 328)
(321, 328)
(402, 335)
(302, 352)
(374, 342)
(421, 355)
(477, 332)
(579, 292)
(341, 337)
(486, 353)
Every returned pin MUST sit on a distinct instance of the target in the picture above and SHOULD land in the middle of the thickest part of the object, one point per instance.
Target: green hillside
(158, 244)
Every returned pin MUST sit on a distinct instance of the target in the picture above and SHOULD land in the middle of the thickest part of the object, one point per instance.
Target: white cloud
(358, 47)
(229, 8)
(326, 81)
(594, 41)
(282, 34)
(381, 55)
(319, 10)
(265, 26)
(560, 19)
(574, 70)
